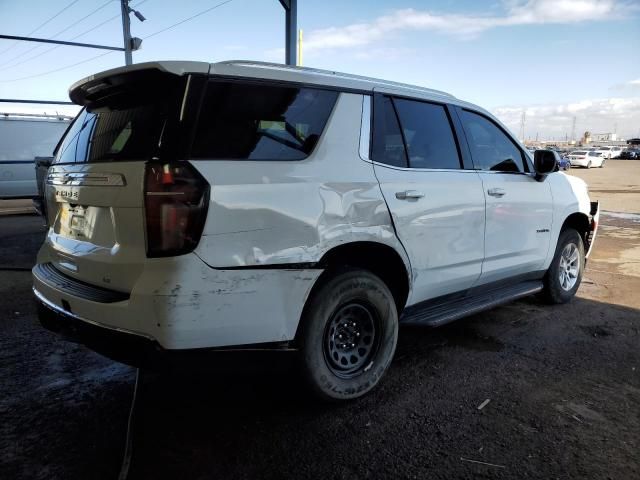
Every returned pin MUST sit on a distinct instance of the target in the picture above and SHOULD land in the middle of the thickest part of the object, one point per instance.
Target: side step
(436, 313)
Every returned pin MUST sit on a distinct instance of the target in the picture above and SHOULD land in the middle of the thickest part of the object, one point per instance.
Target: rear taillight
(176, 198)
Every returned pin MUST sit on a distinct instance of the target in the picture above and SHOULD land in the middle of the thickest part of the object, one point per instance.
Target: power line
(107, 53)
(56, 34)
(187, 19)
(72, 38)
(57, 69)
(41, 25)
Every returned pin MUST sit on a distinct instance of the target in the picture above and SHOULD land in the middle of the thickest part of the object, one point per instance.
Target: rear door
(518, 207)
(437, 205)
(94, 188)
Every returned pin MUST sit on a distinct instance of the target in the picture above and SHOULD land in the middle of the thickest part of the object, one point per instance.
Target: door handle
(496, 192)
(409, 194)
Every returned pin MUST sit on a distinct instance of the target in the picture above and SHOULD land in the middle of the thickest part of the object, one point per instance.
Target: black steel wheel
(347, 335)
(350, 339)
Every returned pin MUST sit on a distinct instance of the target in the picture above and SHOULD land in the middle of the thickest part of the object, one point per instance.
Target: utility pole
(126, 31)
(573, 129)
(522, 123)
(291, 30)
(130, 43)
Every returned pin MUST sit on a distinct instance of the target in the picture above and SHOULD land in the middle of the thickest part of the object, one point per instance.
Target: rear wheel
(589, 164)
(565, 272)
(602, 164)
(348, 335)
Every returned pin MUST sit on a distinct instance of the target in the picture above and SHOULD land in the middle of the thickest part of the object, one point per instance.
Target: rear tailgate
(96, 219)
(95, 187)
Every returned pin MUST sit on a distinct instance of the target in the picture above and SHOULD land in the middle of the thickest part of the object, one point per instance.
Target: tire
(589, 164)
(602, 164)
(560, 285)
(350, 306)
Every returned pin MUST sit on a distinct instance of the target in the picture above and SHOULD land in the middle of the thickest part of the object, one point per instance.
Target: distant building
(604, 137)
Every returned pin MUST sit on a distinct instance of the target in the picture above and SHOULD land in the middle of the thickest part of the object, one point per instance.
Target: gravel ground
(562, 382)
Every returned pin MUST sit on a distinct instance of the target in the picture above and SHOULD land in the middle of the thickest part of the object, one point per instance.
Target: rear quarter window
(251, 121)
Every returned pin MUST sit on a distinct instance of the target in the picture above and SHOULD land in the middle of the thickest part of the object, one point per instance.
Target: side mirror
(544, 162)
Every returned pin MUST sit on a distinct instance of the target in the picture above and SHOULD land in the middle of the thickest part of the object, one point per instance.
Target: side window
(245, 121)
(387, 145)
(428, 135)
(491, 148)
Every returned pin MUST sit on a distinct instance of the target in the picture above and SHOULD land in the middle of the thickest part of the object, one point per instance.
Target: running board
(434, 314)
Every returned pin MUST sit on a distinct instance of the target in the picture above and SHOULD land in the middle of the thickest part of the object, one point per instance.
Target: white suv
(610, 152)
(251, 205)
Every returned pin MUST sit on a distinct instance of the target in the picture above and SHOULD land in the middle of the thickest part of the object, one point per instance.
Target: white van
(22, 138)
(244, 205)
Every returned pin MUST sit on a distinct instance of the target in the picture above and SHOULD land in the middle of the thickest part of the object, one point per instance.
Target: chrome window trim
(409, 169)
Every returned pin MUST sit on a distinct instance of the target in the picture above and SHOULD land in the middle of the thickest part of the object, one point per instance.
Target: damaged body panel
(182, 303)
(273, 213)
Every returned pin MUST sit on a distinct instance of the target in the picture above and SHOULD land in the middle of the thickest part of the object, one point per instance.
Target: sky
(553, 59)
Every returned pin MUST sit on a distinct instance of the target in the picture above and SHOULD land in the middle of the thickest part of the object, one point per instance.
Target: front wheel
(589, 164)
(602, 164)
(565, 272)
(348, 335)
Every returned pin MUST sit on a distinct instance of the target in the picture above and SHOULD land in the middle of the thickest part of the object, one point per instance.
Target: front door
(518, 207)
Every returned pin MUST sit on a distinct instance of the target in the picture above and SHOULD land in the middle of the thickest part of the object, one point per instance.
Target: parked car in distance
(586, 158)
(563, 162)
(630, 154)
(23, 137)
(248, 205)
(609, 152)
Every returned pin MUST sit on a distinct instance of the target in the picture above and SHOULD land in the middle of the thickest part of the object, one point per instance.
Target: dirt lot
(562, 382)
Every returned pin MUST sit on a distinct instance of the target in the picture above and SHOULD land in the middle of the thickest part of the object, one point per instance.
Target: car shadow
(250, 416)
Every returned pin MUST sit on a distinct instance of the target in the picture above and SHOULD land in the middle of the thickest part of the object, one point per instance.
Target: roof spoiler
(87, 90)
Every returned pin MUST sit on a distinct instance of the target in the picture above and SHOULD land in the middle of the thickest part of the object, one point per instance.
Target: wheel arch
(380, 259)
(580, 222)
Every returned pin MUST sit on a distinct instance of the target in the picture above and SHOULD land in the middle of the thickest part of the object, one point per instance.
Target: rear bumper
(578, 162)
(182, 304)
(118, 344)
(137, 350)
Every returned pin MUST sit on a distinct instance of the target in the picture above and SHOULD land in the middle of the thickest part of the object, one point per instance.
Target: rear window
(579, 152)
(247, 121)
(129, 122)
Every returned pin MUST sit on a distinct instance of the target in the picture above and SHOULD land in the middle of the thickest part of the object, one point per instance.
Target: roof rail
(333, 74)
(36, 115)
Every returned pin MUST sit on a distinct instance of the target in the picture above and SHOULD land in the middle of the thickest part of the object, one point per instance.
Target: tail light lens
(176, 198)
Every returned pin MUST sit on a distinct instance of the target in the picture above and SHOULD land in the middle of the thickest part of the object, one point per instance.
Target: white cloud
(630, 87)
(516, 12)
(594, 115)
